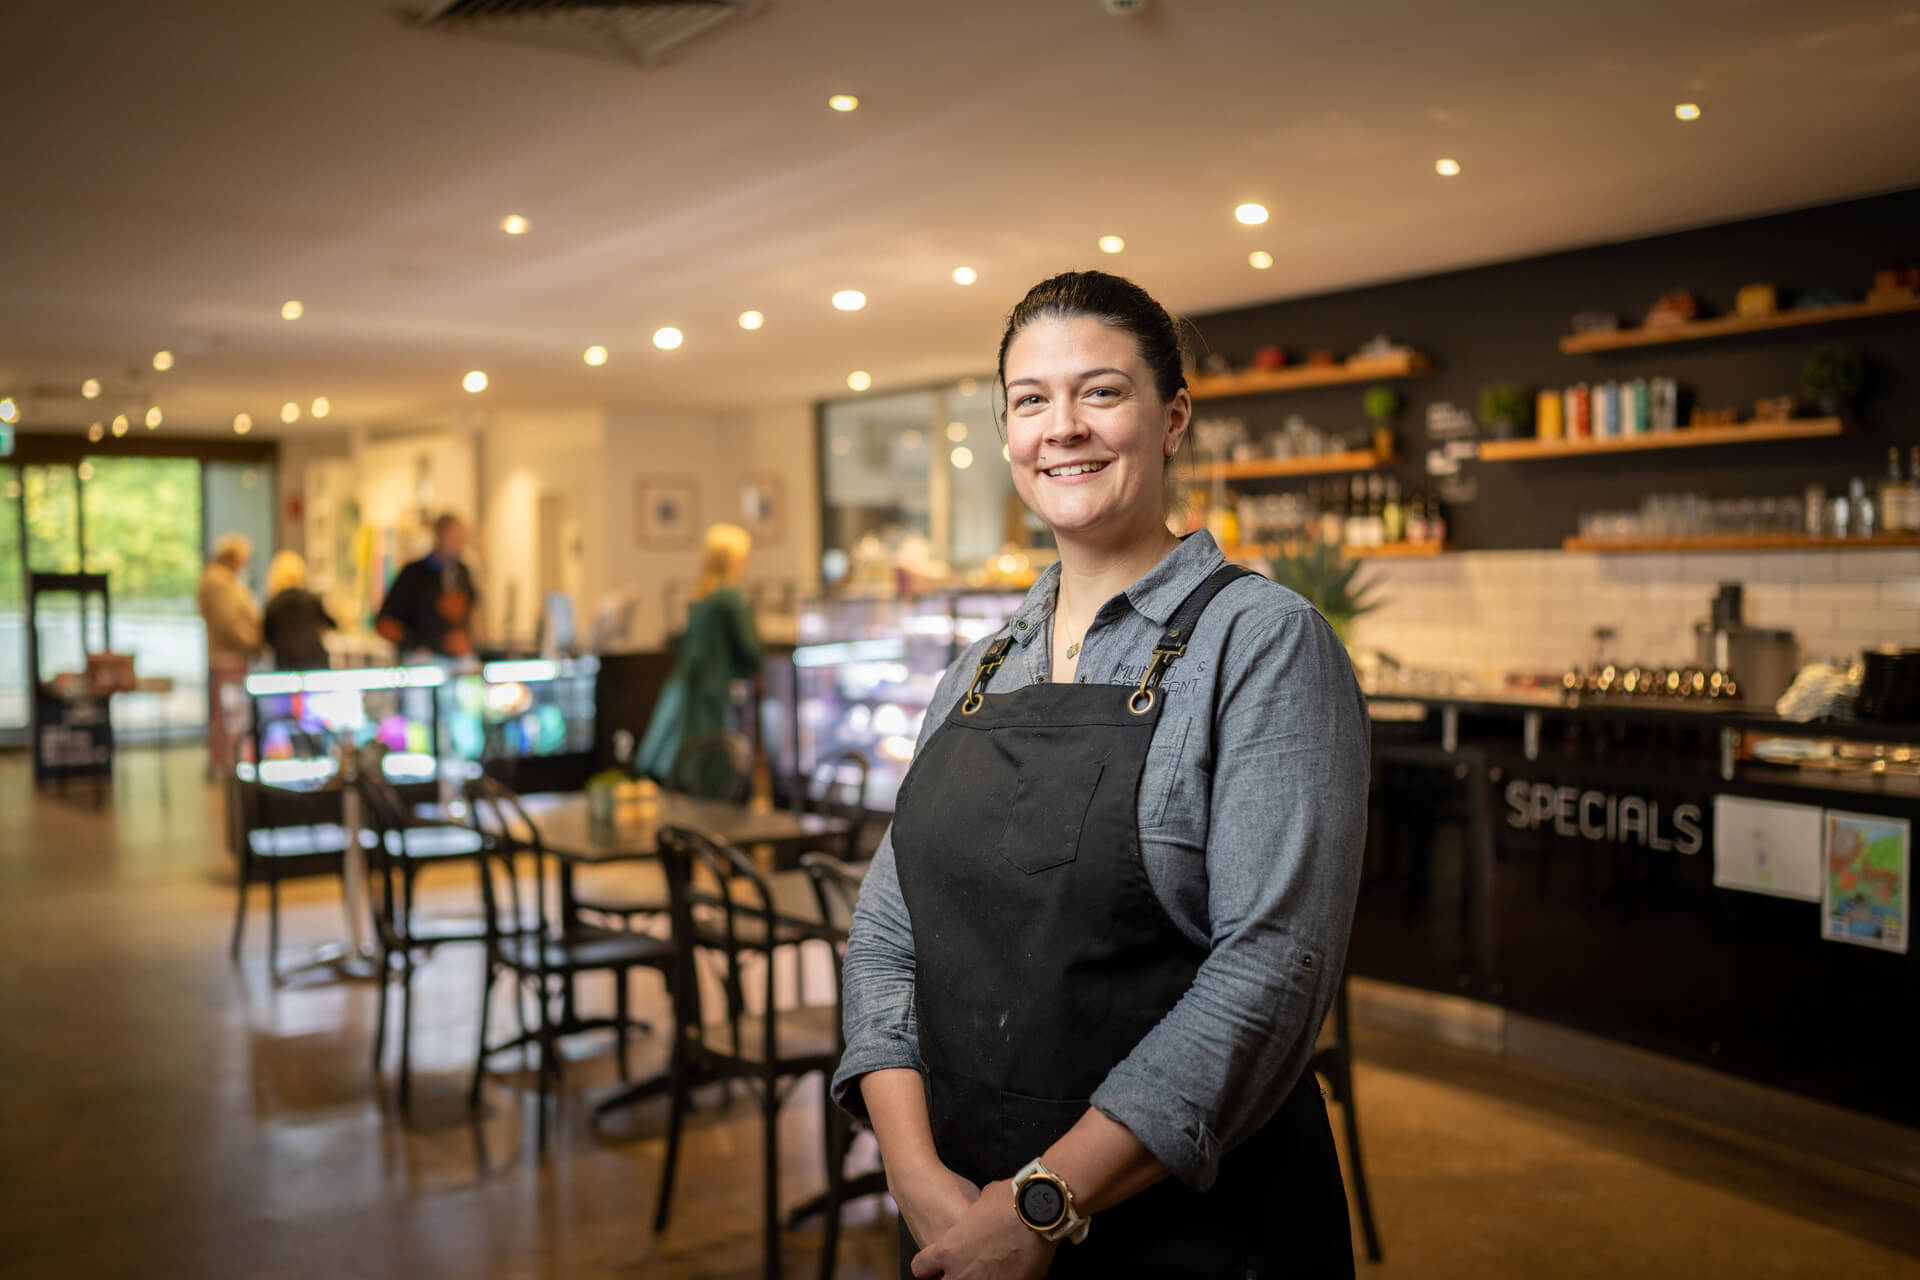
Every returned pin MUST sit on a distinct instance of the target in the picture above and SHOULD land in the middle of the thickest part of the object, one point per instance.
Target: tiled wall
(1498, 611)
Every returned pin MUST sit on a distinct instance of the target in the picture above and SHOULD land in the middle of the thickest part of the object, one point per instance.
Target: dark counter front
(1575, 883)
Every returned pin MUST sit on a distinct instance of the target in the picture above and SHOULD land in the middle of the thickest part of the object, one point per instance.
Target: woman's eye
(1108, 392)
(1026, 400)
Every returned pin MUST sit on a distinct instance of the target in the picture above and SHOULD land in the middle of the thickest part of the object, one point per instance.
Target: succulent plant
(1328, 581)
(1381, 403)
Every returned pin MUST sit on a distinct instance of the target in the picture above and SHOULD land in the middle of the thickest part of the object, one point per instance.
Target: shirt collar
(1156, 596)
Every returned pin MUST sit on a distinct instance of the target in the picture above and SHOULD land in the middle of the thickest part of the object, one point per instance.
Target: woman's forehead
(1066, 345)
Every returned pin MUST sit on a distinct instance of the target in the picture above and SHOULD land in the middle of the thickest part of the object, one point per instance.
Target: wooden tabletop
(568, 832)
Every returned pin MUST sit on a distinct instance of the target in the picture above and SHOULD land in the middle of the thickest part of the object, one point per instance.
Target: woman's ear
(1179, 418)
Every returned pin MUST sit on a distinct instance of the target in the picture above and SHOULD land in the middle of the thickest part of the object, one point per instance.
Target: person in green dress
(718, 647)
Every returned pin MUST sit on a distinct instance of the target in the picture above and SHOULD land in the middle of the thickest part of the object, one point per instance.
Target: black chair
(273, 832)
(837, 788)
(542, 953)
(733, 914)
(1334, 1060)
(836, 887)
(398, 848)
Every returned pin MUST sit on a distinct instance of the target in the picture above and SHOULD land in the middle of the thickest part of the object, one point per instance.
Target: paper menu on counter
(1764, 846)
(1866, 891)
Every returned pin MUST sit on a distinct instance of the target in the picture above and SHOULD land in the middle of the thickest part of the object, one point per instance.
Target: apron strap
(989, 663)
(1173, 644)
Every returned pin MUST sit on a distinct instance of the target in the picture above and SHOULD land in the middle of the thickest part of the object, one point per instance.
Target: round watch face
(1041, 1203)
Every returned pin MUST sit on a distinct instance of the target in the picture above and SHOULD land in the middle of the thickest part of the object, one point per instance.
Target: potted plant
(1833, 379)
(1504, 408)
(1326, 579)
(1382, 404)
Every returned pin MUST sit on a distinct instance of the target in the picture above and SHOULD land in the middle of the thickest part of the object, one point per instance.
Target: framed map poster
(1866, 892)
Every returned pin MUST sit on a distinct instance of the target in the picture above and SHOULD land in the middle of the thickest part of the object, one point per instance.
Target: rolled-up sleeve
(878, 977)
(1285, 835)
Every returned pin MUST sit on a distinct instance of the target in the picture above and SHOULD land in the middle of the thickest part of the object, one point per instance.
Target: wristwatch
(1045, 1203)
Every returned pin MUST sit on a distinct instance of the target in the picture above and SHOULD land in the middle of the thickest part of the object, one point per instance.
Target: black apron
(1042, 957)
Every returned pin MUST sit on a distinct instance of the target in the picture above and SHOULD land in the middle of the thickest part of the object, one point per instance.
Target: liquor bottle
(1436, 522)
(1894, 517)
(1393, 517)
(1375, 529)
(1353, 532)
(1606, 409)
(1417, 518)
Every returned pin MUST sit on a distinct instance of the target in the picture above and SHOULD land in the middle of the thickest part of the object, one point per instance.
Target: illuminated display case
(867, 668)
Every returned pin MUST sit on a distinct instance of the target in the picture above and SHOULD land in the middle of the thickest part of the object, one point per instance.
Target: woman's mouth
(1068, 470)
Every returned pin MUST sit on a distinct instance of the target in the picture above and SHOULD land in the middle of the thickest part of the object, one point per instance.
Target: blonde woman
(719, 647)
(295, 617)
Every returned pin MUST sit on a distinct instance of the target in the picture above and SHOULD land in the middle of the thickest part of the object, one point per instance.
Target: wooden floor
(165, 1113)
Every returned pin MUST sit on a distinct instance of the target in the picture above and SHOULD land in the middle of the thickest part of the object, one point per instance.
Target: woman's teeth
(1078, 468)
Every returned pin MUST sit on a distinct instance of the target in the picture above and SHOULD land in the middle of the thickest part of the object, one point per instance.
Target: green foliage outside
(142, 520)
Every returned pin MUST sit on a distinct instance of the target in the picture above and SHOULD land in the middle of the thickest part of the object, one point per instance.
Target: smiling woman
(1177, 858)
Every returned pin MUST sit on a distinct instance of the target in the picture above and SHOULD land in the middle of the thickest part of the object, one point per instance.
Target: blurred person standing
(295, 617)
(429, 607)
(720, 645)
(232, 617)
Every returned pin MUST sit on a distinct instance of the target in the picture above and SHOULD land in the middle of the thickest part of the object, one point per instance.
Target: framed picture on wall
(763, 507)
(666, 510)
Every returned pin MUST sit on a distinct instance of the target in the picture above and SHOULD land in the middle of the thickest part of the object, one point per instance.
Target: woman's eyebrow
(1080, 377)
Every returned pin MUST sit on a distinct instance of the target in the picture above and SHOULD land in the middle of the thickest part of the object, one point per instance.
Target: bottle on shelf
(1913, 490)
(1417, 518)
(1894, 516)
(1393, 517)
(1353, 532)
(1865, 522)
(1436, 521)
(1374, 531)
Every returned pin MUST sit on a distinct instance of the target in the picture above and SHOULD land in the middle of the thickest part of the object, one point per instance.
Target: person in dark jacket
(295, 618)
(429, 607)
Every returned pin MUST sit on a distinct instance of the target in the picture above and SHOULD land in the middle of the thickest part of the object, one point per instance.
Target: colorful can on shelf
(1579, 411)
(1664, 410)
(1606, 409)
(1630, 393)
(1548, 422)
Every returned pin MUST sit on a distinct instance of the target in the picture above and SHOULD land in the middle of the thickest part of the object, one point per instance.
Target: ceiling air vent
(641, 32)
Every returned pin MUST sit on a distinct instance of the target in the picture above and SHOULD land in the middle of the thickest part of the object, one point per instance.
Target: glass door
(13, 607)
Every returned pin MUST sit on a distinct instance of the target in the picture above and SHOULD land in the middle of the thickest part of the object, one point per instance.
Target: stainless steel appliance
(1762, 660)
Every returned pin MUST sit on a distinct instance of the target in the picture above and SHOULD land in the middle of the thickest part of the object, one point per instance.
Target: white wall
(527, 455)
(1498, 611)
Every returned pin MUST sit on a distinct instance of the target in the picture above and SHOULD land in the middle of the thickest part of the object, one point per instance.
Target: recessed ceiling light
(751, 320)
(956, 431)
(859, 380)
(1251, 215)
(1687, 111)
(9, 411)
(849, 300)
(1112, 244)
(515, 225)
(668, 338)
(965, 275)
(289, 413)
(154, 418)
(961, 457)
(321, 407)
(163, 360)
(968, 387)
(242, 423)
(119, 426)
(291, 310)
(90, 388)
(843, 102)
(475, 381)
(94, 432)
(595, 356)
(1259, 259)
(1446, 168)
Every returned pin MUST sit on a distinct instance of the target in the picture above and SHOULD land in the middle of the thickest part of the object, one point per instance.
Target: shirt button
(1021, 625)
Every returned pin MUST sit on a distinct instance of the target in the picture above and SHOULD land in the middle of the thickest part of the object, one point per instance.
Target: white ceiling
(170, 173)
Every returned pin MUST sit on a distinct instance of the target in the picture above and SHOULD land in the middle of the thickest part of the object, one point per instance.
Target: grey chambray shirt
(1252, 815)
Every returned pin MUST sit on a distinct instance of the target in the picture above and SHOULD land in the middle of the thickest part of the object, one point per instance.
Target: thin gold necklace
(1073, 649)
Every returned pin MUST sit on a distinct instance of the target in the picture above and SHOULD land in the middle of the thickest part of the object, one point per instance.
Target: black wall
(1503, 323)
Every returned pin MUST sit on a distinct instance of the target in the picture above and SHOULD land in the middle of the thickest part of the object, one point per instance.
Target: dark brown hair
(1114, 301)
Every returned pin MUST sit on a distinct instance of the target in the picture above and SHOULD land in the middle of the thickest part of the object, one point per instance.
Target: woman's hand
(931, 1198)
(988, 1242)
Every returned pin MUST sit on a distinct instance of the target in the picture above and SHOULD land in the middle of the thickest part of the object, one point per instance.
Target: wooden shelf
(1266, 468)
(1694, 330)
(1386, 551)
(1682, 437)
(1745, 542)
(1255, 382)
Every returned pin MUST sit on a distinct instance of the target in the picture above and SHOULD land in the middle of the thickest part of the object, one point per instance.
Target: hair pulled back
(1114, 301)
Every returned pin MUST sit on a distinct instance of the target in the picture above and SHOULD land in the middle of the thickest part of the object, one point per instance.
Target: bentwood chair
(399, 848)
(1334, 1060)
(274, 835)
(768, 1050)
(542, 954)
(837, 788)
(836, 887)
